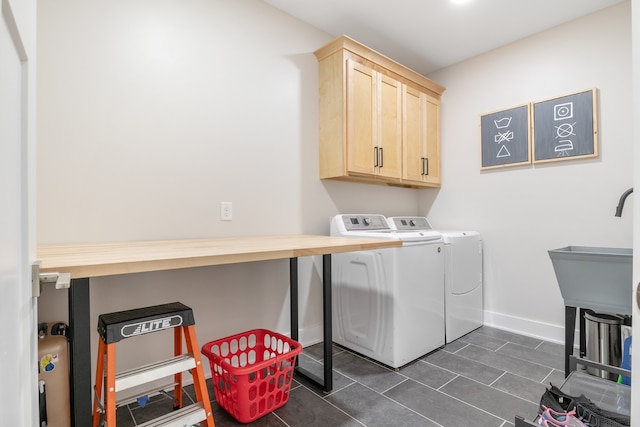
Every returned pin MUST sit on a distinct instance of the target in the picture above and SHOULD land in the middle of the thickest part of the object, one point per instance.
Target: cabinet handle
(426, 168)
(375, 157)
(381, 157)
(422, 161)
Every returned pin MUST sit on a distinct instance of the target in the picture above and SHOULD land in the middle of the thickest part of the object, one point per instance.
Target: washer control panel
(365, 222)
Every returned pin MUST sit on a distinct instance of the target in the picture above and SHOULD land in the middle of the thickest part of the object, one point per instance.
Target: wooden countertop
(106, 259)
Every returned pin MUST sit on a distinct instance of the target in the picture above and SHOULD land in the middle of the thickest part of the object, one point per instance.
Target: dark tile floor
(483, 379)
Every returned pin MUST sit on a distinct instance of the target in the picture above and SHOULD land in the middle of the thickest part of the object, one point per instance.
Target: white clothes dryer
(388, 304)
(464, 310)
(463, 277)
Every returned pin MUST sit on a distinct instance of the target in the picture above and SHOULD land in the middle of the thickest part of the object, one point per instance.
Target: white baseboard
(528, 327)
(312, 334)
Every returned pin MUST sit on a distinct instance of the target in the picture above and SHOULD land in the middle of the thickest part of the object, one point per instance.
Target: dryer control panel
(410, 223)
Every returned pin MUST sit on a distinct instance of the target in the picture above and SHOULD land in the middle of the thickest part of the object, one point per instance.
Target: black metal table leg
(80, 353)
(293, 286)
(326, 317)
(569, 335)
(327, 382)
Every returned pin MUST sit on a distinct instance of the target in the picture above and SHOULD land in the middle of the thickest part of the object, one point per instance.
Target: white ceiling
(427, 35)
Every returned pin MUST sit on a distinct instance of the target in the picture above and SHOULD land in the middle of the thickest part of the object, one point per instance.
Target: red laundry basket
(252, 372)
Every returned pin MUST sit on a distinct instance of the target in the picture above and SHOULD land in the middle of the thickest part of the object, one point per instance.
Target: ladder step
(154, 371)
(186, 416)
(151, 392)
(117, 326)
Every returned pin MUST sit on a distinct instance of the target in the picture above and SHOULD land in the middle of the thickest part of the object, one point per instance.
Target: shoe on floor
(552, 418)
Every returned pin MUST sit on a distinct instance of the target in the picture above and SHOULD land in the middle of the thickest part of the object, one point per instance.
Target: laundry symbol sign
(503, 135)
(563, 111)
(564, 130)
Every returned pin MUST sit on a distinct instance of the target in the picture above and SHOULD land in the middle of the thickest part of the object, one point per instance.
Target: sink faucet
(621, 202)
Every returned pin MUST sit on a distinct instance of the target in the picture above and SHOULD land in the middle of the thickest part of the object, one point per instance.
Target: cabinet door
(361, 83)
(421, 137)
(374, 122)
(414, 134)
(432, 167)
(389, 116)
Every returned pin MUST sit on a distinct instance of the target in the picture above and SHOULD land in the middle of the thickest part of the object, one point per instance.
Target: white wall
(523, 212)
(150, 114)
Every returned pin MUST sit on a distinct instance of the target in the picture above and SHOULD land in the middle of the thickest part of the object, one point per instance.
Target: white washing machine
(464, 310)
(388, 304)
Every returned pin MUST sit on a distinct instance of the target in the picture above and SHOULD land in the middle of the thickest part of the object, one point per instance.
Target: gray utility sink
(599, 279)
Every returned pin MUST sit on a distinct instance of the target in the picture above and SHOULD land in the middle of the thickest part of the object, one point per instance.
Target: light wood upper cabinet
(379, 121)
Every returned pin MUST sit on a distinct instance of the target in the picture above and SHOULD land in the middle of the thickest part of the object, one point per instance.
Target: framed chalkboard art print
(565, 127)
(505, 137)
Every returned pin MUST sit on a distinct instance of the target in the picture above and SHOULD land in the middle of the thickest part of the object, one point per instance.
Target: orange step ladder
(114, 327)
